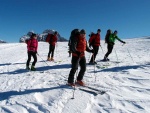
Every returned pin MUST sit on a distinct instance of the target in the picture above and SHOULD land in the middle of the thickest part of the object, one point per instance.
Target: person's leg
(110, 48)
(52, 50)
(34, 62)
(74, 67)
(96, 48)
(35, 58)
(28, 61)
(48, 58)
(49, 51)
(82, 64)
(92, 59)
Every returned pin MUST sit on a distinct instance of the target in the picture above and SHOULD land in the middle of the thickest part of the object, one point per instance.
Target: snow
(125, 79)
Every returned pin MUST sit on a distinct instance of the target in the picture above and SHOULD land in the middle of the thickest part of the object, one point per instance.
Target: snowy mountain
(1, 41)
(125, 80)
(42, 36)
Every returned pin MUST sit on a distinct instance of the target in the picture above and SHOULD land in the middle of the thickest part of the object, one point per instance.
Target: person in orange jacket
(78, 47)
(52, 43)
(94, 41)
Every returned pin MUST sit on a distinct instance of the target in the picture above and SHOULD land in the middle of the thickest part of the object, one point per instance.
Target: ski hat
(99, 30)
(82, 31)
(115, 31)
(56, 32)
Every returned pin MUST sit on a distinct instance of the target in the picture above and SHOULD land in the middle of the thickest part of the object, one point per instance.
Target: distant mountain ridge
(42, 36)
(1, 41)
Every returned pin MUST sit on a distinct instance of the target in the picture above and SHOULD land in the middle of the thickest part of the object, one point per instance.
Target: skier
(78, 47)
(32, 45)
(94, 41)
(52, 43)
(110, 40)
(107, 36)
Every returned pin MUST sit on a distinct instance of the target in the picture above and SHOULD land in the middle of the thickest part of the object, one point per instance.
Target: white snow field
(125, 78)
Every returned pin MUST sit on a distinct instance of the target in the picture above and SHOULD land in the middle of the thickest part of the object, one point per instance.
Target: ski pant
(109, 50)
(33, 54)
(51, 50)
(95, 48)
(75, 61)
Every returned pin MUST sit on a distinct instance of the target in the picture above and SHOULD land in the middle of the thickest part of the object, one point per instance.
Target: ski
(101, 67)
(100, 91)
(89, 90)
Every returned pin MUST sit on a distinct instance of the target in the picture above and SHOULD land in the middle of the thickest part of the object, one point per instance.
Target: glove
(90, 44)
(78, 53)
(92, 51)
(123, 42)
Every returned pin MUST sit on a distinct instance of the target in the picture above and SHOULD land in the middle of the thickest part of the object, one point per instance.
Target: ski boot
(33, 68)
(52, 59)
(48, 59)
(27, 67)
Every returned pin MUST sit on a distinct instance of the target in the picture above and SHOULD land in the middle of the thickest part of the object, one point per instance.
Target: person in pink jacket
(32, 45)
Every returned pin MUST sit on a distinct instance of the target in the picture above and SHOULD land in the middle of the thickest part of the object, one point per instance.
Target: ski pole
(42, 59)
(130, 55)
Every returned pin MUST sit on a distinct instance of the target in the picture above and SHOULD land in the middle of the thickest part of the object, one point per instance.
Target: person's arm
(88, 49)
(119, 39)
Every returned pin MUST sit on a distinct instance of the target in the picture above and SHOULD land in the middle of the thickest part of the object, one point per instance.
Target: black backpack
(107, 36)
(72, 39)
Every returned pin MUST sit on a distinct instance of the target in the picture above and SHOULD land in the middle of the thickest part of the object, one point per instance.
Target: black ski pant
(51, 50)
(95, 48)
(33, 54)
(109, 50)
(75, 61)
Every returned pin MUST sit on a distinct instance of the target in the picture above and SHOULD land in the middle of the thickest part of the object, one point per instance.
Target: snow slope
(126, 80)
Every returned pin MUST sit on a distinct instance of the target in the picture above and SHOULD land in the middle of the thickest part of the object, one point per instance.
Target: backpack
(26, 41)
(48, 38)
(74, 33)
(107, 36)
(93, 40)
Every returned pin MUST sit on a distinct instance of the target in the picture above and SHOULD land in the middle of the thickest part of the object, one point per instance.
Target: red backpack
(26, 41)
(48, 37)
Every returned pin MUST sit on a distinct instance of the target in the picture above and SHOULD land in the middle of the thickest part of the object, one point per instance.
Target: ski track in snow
(126, 80)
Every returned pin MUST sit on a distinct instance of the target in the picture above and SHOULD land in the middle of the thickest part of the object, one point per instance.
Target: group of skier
(77, 47)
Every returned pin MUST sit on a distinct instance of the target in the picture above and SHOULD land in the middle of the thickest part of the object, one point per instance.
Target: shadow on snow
(43, 68)
(122, 68)
(8, 94)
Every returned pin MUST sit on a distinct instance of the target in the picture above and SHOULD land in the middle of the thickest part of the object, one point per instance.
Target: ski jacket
(94, 40)
(32, 45)
(79, 46)
(53, 40)
(112, 39)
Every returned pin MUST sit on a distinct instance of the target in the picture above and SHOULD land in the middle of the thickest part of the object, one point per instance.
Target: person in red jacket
(94, 41)
(52, 43)
(32, 45)
(78, 47)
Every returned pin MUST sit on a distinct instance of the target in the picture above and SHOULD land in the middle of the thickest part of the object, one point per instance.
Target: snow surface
(126, 80)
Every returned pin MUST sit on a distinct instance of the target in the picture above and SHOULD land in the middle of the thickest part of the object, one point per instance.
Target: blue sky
(129, 17)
